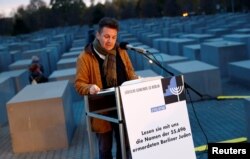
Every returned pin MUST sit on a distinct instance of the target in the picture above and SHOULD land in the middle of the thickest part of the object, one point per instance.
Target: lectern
(105, 101)
(155, 111)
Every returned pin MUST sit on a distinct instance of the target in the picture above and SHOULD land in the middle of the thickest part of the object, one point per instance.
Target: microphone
(127, 46)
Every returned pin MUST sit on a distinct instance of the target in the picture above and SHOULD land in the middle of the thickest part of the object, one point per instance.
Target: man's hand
(94, 89)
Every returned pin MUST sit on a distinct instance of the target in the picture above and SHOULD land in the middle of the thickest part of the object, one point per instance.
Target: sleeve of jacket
(82, 78)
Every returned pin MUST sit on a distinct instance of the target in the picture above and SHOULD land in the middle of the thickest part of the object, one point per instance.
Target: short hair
(109, 23)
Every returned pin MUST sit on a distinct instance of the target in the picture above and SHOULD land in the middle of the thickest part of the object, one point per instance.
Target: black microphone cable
(198, 121)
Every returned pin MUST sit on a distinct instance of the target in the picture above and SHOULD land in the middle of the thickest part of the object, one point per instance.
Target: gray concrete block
(133, 29)
(193, 52)
(177, 35)
(40, 42)
(201, 76)
(240, 72)
(61, 43)
(176, 45)
(150, 37)
(169, 31)
(220, 53)
(244, 38)
(125, 35)
(66, 63)
(214, 40)
(218, 31)
(198, 37)
(20, 78)
(146, 73)
(41, 117)
(72, 54)
(201, 30)
(141, 33)
(67, 74)
(162, 44)
(130, 40)
(5, 58)
(79, 43)
(242, 31)
(133, 54)
(53, 57)
(138, 57)
(20, 64)
(81, 48)
(64, 74)
(58, 46)
(192, 25)
(156, 43)
(15, 55)
(7, 91)
(64, 39)
(21, 46)
(164, 60)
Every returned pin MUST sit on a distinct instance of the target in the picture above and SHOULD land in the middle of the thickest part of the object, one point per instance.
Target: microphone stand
(171, 73)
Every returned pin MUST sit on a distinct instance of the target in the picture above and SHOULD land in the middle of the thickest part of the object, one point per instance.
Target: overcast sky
(7, 6)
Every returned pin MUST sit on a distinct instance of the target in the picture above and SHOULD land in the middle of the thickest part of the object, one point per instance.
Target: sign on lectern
(156, 118)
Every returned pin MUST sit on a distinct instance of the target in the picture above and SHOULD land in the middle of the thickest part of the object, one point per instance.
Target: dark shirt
(36, 73)
(120, 69)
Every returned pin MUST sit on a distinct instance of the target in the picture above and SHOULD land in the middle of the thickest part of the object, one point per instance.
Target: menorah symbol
(176, 90)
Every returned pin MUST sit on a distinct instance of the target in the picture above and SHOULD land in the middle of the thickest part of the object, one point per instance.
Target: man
(103, 65)
(36, 75)
(36, 71)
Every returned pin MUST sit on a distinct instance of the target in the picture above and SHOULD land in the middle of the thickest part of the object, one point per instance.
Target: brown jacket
(88, 73)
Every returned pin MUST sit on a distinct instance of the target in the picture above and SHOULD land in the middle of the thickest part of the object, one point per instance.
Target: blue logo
(173, 89)
(158, 108)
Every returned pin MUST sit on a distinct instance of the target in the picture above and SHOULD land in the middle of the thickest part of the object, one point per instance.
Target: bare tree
(35, 5)
(92, 2)
(171, 8)
(148, 8)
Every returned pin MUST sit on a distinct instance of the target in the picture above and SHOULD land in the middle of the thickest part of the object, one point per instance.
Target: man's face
(107, 38)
